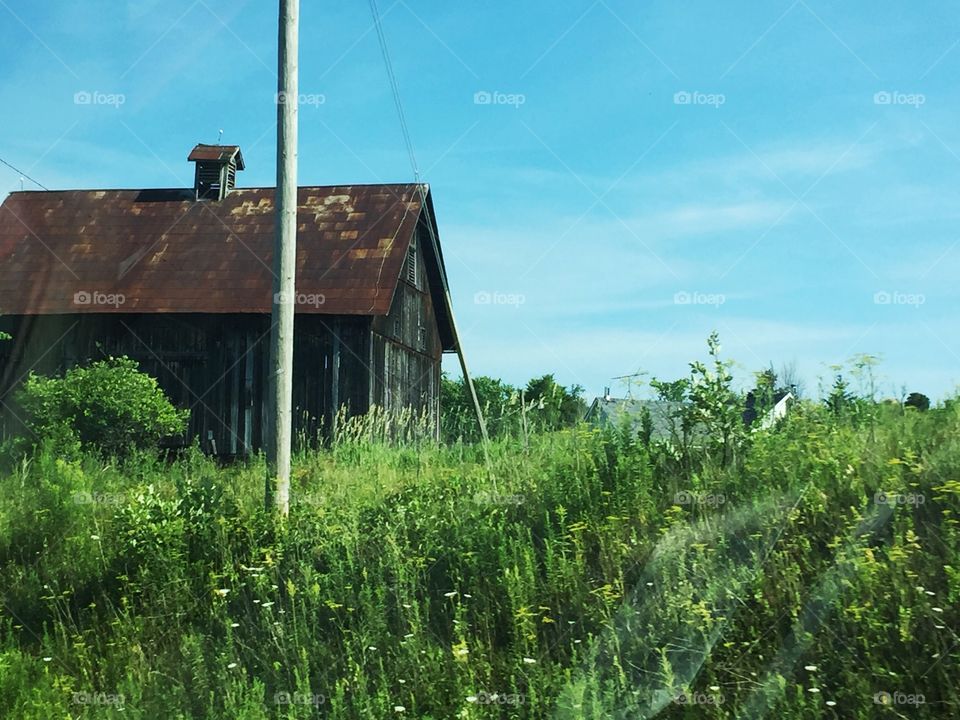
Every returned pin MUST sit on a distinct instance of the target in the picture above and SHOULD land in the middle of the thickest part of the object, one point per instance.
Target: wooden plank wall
(406, 349)
(215, 365)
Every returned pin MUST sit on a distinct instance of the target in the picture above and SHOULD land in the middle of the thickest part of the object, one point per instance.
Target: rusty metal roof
(67, 252)
(217, 153)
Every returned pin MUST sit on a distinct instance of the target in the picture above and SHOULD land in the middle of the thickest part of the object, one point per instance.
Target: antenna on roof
(21, 183)
(629, 381)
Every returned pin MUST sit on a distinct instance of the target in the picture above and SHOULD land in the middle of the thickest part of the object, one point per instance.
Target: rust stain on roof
(165, 252)
(217, 153)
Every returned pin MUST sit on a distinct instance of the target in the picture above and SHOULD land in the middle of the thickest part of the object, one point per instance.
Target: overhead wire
(23, 174)
(425, 208)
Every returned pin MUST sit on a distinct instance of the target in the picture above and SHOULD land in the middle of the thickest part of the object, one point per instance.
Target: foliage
(705, 412)
(918, 400)
(840, 401)
(109, 406)
(508, 411)
(814, 575)
(715, 403)
(558, 406)
(765, 394)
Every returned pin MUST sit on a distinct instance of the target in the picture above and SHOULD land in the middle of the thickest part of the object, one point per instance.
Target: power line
(394, 88)
(405, 130)
(434, 242)
(23, 174)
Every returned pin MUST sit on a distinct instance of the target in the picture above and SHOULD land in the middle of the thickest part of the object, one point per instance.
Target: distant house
(782, 400)
(778, 411)
(181, 280)
(608, 411)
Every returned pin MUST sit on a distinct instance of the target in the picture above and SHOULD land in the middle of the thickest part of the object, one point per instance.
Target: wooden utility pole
(280, 404)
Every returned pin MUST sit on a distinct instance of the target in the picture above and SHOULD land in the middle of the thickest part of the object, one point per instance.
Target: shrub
(109, 406)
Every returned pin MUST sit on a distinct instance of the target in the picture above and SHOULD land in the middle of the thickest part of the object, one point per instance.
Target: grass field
(585, 574)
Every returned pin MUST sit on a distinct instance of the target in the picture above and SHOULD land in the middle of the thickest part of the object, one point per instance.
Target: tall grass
(579, 576)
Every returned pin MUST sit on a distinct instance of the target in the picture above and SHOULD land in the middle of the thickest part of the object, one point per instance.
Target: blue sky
(786, 173)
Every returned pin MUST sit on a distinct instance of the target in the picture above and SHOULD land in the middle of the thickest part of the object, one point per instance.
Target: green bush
(109, 407)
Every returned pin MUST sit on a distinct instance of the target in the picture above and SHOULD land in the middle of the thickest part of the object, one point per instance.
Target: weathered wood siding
(216, 366)
(406, 348)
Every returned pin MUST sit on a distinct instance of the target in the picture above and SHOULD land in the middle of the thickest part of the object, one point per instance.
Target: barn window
(411, 267)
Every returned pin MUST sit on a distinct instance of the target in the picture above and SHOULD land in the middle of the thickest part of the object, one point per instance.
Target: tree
(716, 405)
(918, 400)
(543, 404)
(110, 407)
(677, 417)
(790, 379)
(840, 399)
(555, 406)
(499, 402)
(768, 390)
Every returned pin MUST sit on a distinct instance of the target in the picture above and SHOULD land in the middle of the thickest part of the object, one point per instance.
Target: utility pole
(280, 387)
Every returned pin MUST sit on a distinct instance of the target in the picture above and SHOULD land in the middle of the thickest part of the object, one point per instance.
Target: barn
(181, 280)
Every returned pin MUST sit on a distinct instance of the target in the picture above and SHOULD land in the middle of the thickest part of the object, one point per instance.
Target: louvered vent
(411, 266)
(216, 170)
